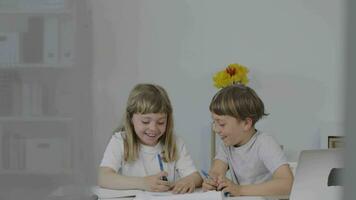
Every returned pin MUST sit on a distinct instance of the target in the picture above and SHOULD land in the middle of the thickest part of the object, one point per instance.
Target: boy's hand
(227, 186)
(155, 184)
(183, 186)
(210, 184)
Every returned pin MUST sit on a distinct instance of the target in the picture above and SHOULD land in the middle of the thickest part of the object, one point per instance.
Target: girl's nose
(153, 126)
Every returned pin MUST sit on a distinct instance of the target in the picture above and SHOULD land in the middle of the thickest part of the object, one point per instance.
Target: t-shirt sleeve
(221, 153)
(113, 153)
(271, 153)
(184, 164)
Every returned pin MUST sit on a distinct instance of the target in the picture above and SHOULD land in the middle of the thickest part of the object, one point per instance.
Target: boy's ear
(248, 123)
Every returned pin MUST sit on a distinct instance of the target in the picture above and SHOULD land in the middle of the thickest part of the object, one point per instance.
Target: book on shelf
(40, 4)
(49, 99)
(12, 23)
(5, 93)
(13, 151)
(17, 151)
(1, 146)
(9, 93)
(9, 4)
(36, 99)
(32, 96)
(5, 149)
(32, 41)
(26, 99)
(16, 95)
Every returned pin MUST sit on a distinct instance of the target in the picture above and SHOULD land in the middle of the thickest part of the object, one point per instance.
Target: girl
(132, 157)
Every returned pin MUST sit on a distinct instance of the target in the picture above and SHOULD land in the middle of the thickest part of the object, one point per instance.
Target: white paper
(211, 195)
(103, 193)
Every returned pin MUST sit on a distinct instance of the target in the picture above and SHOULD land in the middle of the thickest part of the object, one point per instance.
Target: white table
(72, 190)
(228, 198)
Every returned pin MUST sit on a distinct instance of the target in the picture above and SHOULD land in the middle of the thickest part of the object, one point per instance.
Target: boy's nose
(216, 129)
(218, 132)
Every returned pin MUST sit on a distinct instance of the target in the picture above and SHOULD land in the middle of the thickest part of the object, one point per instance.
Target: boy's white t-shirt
(147, 163)
(255, 161)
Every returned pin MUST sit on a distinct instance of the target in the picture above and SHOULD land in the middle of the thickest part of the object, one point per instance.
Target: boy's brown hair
(238, 101)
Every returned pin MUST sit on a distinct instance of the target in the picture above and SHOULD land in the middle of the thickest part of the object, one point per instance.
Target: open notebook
(103, 193)
(143, 195)
(211, 195)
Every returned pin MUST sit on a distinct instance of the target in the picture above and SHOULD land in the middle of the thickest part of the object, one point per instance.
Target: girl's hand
(183, 186)
(155, 184)
(227, 186)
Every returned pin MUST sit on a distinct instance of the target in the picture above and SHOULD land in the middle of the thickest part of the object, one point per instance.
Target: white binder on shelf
(9, 48)
(16, 96)
(36, 99)
(66, 40)
(16, 151)
(26, 99)
(6, 92)
(50, 40)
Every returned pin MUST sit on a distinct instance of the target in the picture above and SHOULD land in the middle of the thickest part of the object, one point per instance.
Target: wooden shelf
(33, 172)
(35, 12)
(41, 66)
(35, 119)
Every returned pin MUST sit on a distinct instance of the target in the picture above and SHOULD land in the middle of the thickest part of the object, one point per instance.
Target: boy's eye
(222, 125)
(145, 122)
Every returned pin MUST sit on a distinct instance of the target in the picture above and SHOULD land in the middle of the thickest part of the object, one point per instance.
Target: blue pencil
(164, 178)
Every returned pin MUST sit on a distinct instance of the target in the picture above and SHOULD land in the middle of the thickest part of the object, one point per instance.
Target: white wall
(115, 33)
(294, 50)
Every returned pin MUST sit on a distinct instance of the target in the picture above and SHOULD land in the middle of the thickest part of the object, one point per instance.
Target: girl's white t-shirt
(147, 163)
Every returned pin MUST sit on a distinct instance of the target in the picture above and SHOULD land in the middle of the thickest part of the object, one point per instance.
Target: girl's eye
(161, 123)
(222, 125)
(145, 122)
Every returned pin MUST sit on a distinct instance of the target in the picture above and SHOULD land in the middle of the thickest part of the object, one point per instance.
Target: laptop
(319, 175)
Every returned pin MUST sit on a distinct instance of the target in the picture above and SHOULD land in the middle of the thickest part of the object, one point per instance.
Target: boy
(257, 163)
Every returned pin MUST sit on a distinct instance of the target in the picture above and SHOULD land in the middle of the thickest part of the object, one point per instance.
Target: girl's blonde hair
(238, 101)
(143, 99)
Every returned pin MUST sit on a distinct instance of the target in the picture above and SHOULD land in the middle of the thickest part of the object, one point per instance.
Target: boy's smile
(231, 130)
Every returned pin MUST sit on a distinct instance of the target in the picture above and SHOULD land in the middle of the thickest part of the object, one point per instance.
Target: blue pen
(206, 175)
(164, 178)
(227, 194)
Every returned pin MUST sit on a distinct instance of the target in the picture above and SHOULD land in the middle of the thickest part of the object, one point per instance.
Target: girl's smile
(149, 127)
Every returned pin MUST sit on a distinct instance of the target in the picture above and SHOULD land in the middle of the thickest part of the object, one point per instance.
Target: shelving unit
(40, 12)
(43, 77)
(33, 66)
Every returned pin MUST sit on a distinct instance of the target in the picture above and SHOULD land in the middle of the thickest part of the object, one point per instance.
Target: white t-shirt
(147, 163)
(255, 161)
